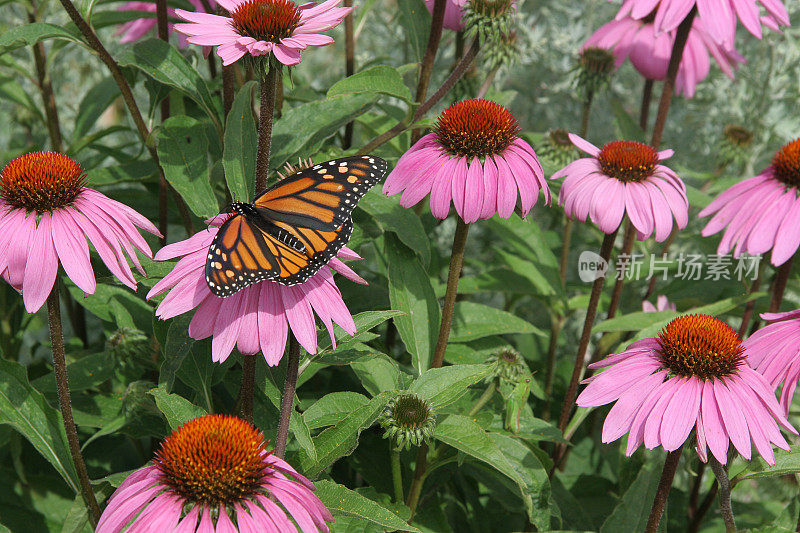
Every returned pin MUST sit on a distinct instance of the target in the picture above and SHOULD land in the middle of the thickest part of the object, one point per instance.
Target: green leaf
(340, 440)
(714, 309)
(177, 409)
(536, 492)
(364, 323)
(377, 374)
(199, 371)
(381, 79)
(624, 124)
(25, 409)
(183, 151)
(634, 321)
(135, 171)
(410, 291)
(84, 373)
(472, 321)
(443, 386)
(302, 129)
(786, 462)
(30, 34)
(12, 90)
(165, 64)
(354, 352)
(297, 424)
(239, 155)
(416, 20)
(115, 304)
(333, 408)
(633, 510)
(344, 502)
(177, 346)
(96, 100)
(465, 435)
(390, 216)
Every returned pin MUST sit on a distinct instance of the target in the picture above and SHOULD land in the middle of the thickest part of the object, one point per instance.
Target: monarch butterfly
(293, 228)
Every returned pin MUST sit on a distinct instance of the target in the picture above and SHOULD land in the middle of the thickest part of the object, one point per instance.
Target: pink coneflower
(625, 177)
(774, 352)
(136, 29)
(761, 213)
(718, 16)
(692, 376)
(258, 316)
(649, 51)
(474, 159)
(46, 214)
(215, 474)
(452, 13)
(260, 27)
(662, 304)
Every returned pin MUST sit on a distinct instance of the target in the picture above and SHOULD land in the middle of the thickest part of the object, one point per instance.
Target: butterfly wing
(321, 197)
(294, 228)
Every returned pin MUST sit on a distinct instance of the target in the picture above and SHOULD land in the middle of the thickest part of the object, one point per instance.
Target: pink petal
(42, 267)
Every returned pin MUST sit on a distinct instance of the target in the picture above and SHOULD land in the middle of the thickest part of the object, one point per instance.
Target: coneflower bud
(508, 366)
(594, 69)
(734, 146)
(492, 23)
(556, 147)
(408, 421)
(132, 350)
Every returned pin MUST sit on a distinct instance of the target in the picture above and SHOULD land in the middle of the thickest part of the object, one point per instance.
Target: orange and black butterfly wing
(247, 251)
(319, 248)
(321, 197)
(238, 256)
(292, 229)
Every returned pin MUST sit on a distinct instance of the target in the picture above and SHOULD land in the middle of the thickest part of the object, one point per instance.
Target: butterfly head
(241, 208)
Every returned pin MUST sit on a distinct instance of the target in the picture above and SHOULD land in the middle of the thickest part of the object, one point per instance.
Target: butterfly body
(293, 228)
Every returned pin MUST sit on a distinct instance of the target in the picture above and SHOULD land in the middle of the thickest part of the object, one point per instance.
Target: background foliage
(135, 378)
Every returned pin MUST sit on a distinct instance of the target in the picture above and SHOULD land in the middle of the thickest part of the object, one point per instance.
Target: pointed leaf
(344, 502)
(25, 409)
(239, 155)
(410, 291)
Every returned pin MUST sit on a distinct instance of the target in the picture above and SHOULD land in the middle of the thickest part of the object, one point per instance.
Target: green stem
(583, 345)
(65, 403)
(587, 107)
(248, 387)
(566, 239)
(556, 325)
(724, 494)
(269, 85)
(487, 83)
(681, 36)
(287, 402)
(46, 86)
(349, 65)
(750, 306)
(397, 475)
(448, 84)
(591, 312)
(456, 262)
(420, 474)
(647, 97)
(779, 285)
(484, 399)
(426, 68)
(127, 96)
(627, 248)
(664, 485)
